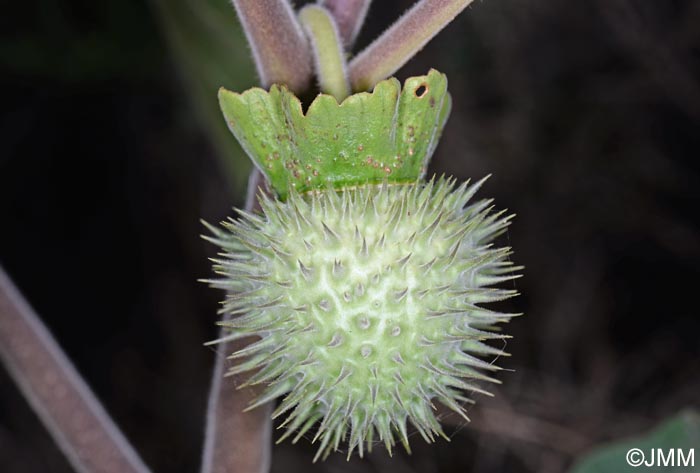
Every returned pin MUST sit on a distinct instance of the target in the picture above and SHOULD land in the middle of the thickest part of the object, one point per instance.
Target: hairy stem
(236, 441)
(402, 41)
(349, 16)
(280, 49)
(329, 56)
(64, 403)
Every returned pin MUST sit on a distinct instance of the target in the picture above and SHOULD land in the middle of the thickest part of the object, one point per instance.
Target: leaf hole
(421, 90)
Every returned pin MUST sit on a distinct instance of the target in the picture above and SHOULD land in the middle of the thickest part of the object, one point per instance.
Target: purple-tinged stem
(236, 441)
(280, 49)
(402, 41)
(349, 16)
(61, 399)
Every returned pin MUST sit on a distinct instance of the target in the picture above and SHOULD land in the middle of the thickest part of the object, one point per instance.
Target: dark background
(586, 113)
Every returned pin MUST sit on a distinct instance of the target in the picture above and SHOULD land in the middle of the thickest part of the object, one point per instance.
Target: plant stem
(280, 49)
(402, 41)
(329, 56)
(60, 397)
(236, 441)
(349, 16)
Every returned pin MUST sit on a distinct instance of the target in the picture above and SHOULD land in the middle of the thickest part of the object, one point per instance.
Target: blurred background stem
(69, 410)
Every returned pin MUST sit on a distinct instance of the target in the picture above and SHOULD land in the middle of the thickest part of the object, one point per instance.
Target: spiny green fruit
(367, 305)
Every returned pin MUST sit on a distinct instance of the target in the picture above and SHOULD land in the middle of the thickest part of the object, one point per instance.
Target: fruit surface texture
(367, 306)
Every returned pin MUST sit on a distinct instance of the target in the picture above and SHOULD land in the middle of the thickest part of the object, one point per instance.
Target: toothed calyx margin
(387, 135)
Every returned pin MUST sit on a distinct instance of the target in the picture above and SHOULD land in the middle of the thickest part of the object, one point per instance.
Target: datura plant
(361, 283)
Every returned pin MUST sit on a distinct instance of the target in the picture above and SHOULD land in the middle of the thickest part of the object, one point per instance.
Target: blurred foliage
(211, 51)
(84, 43)
(680, 432)
(78, 42)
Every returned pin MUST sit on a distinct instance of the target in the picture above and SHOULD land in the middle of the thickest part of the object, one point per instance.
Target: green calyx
(367, 306)
(387, 135)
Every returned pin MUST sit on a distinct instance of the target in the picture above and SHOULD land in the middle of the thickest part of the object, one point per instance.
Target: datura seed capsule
(367, 306)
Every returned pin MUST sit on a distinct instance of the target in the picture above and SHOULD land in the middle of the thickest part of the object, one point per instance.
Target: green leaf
(680, 432)
(210, 50)
(387, 135)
